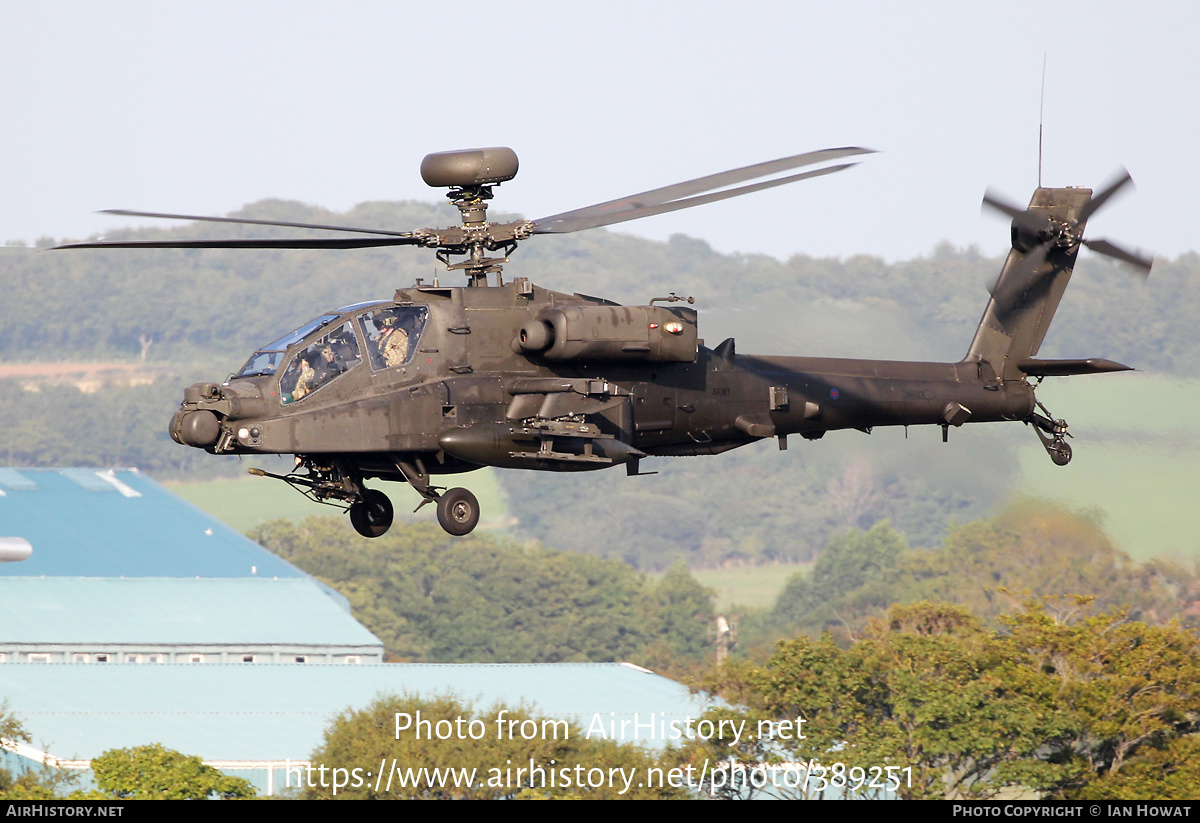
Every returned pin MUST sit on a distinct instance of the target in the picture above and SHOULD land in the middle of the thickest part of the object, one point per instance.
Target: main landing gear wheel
(458, 511)
(371, 516)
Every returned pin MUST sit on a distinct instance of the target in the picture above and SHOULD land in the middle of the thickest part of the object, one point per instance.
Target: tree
(11, 727)
(432, 597)
(850, 562)
(1028, 550)
(1042, 550)
(467, 754)
(1059, 703)
(1127, 694)
(923, 690)
(155, 772)
(1165, 770)
(33, 782)
(679, 618)
(12, 731)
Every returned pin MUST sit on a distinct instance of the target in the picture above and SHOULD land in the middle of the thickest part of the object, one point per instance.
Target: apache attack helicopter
(447, 379)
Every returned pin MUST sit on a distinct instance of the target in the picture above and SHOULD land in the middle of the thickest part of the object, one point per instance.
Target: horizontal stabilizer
(1061, 368)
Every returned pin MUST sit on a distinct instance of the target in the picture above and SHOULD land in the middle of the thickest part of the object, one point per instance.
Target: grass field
(1148, 496)
(754, 586)
(1136, 459)
(245, 502)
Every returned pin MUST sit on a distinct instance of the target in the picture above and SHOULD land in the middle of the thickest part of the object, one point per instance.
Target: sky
(201, 108)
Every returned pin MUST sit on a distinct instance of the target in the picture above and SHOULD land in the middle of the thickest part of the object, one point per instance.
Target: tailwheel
(1060, 453)
(458, 511)
(1053, 435)
(372, 515)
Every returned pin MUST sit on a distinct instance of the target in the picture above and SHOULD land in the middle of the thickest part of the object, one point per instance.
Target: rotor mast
(471, 174)
(471, 203)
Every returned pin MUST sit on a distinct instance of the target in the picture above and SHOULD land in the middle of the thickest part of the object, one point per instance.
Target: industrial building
(137, 618)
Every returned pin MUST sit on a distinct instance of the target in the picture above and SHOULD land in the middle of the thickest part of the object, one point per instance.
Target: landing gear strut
(335, 484)
(370, 510)
(1053, 434)
(457, 509)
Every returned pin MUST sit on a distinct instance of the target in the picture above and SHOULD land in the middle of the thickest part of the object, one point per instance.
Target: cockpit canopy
(330, 345)
(268, 359)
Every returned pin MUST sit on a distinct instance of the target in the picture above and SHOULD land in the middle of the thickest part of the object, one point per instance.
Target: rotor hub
(1030, 230)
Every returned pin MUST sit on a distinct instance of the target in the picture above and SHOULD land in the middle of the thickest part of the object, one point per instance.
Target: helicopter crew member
(329, 367)
(393, 341)
(308, 376)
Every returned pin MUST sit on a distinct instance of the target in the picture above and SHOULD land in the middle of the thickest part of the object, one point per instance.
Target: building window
(102, 658)
(80, 658)
(3, 657)
(353, 659)
(247, 658)
(302, 658)
(39, 657)
(133, 658)
(154, 658)
(196, 658)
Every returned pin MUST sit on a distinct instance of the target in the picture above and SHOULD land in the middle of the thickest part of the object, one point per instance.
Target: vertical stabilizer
(1045, 243)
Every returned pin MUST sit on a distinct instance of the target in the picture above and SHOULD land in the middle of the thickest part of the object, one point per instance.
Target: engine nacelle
(645, 334)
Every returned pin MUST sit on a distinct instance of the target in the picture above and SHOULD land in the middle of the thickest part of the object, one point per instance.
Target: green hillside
(1136, 459)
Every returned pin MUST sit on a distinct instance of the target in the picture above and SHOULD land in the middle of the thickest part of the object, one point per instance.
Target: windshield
(269, 358)
(320, 363)
(392, 333)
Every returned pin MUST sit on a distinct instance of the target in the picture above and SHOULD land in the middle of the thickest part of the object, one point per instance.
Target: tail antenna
(1041, 118)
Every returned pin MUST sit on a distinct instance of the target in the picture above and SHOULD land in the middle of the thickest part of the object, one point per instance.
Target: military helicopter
(447, 379)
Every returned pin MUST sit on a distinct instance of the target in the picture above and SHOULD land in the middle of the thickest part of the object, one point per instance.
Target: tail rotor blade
(1098, 200)
(1001, 204)
(1140, 262)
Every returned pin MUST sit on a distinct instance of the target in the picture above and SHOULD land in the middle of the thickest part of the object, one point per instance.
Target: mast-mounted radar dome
(469, 167)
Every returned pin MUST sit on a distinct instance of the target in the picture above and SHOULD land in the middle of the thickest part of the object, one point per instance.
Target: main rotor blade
(319, 243)
(563, 224)
(1000, 204)
(127, 213)
(1098, 200)
(1142, 264)
(672, 197)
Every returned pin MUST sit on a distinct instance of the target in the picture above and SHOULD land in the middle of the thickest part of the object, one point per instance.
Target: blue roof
(115, 557)
(174, 611)
(276, 712)
(96, 523)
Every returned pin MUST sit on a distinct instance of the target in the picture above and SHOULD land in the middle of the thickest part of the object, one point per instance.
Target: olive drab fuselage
(443, 380)
(468, 394)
